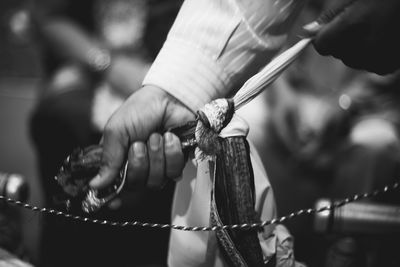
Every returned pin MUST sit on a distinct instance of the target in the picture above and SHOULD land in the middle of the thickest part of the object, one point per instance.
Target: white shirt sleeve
(214, 46)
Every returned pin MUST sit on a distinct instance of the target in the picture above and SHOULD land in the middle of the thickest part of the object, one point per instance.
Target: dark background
(20, 73)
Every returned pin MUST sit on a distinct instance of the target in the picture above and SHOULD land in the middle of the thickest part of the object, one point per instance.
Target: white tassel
(259, 82)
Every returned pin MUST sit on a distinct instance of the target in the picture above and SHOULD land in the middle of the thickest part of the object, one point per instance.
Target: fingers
(332, 27)
(333, 36)
(360, 33)
(151, 164)
(312, 28)
(139, 115)
(138, 167)
(342, 32)
(156, 177)
(174, 158)
(143, 113)
(112, 158)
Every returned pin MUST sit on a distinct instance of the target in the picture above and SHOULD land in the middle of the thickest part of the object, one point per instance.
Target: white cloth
(192, 208)
(213, 47)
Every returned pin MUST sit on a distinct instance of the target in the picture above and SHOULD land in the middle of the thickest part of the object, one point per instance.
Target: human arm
(362, 33)
(212, 48)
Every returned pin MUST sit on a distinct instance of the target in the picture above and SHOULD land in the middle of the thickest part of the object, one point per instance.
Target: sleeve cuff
(187, 73)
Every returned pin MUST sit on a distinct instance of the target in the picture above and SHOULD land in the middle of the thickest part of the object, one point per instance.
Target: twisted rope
(245, 226)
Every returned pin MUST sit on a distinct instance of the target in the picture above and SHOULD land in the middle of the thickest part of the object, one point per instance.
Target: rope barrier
(245, 226)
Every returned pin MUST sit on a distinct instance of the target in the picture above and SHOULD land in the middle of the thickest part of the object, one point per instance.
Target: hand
(126, 74)
(362, 33)
(131, 132)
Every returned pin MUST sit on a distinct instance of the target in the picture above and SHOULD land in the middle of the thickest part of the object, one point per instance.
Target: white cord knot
(213, 117)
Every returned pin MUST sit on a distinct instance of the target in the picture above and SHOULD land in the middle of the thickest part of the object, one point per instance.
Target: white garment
(213, 47)
(192, 208)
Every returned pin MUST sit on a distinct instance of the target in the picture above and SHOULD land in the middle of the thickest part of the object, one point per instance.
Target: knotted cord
(245, 226)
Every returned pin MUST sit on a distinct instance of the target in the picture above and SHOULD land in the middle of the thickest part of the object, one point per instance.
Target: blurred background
(326, 131)
(20, 72)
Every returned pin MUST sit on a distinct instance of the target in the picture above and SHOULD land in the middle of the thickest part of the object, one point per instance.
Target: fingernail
(139, 149)
(95, 182)
(312, 27)
(155, 141)
(168, 138)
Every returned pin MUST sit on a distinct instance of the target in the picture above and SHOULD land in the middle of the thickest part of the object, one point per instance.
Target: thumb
(333, 26)
(113, 144)
(333, 11)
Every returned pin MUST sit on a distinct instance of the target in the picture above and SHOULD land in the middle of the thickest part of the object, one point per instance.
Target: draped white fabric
(192, 208)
